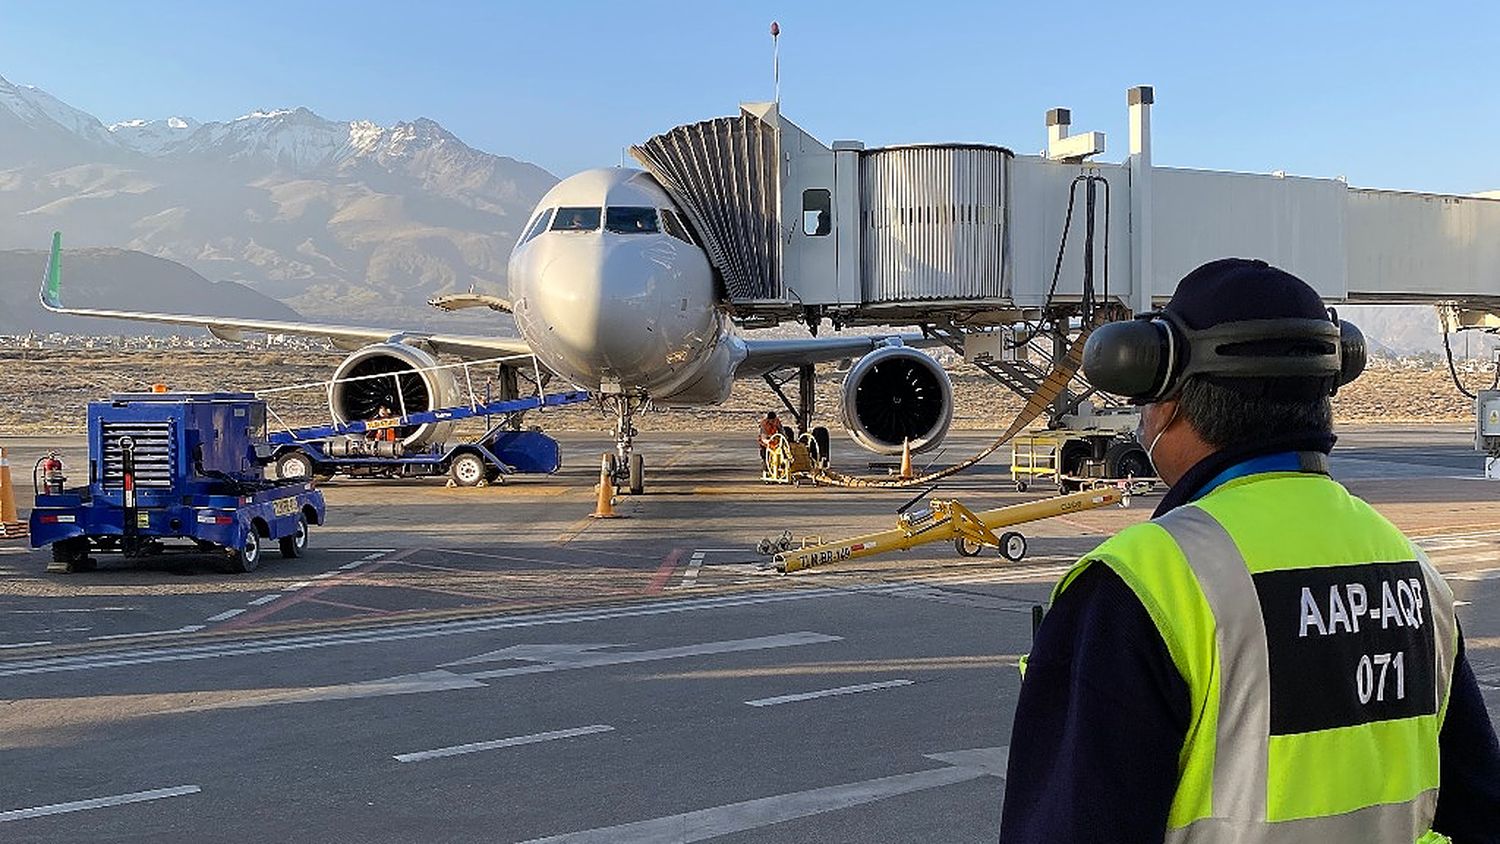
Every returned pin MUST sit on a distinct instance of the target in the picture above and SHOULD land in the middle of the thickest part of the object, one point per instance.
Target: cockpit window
(675, 226)
(576, 220)
(538, 225)
(630, 220)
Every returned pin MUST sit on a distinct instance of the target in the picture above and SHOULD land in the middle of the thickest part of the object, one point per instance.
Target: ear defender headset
(1147, 359)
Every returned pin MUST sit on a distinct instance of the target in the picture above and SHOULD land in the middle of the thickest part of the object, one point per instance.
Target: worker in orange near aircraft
(770, 426)
(387, 434)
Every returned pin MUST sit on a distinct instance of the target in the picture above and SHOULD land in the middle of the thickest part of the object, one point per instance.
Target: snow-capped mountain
(152, 137)
(37, 108)
(345, 219)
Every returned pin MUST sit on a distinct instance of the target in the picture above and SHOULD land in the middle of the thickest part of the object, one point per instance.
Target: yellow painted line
(574, 530)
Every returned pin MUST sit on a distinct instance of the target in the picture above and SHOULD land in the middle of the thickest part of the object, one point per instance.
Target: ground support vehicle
(175, 472)
(940, 521)
(348, 447)
(791, 460)
(1079, 459)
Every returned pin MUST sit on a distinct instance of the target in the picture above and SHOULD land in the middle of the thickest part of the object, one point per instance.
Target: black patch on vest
(1348, 645)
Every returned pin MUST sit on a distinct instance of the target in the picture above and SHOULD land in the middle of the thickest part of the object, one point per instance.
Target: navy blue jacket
(1103, 714)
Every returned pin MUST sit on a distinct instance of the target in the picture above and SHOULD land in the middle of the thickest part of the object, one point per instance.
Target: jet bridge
(1008, 257)
(969, 234)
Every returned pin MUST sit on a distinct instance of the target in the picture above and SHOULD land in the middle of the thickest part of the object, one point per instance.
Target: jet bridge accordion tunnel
(798, 230)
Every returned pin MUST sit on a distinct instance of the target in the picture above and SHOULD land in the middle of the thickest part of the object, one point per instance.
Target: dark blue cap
(1238, 289)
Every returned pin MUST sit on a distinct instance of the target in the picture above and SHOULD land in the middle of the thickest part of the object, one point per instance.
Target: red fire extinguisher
(51, 469)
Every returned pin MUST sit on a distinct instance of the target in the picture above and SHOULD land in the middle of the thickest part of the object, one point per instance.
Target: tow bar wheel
(1012, 546)
(967, 547)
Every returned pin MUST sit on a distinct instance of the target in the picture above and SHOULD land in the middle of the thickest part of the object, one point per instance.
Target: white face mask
(1141, 430)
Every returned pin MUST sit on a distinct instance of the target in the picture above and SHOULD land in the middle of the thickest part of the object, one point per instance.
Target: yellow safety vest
(1317, 643)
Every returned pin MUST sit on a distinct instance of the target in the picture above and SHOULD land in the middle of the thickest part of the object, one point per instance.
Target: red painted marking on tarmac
(343, 606)
(309, 592)
(663, 574)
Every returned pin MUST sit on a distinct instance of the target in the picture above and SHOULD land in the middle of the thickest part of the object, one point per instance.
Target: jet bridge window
(630, 220)
(571, 219)
(817, 212)
(675, 226)
(538, 225)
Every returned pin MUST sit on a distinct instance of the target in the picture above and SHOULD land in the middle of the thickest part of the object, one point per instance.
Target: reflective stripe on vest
(1240, 779)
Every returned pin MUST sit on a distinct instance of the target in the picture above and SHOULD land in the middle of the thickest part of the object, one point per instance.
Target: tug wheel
(295, 545)
(967, 547)
(73, 555)
(246, 558)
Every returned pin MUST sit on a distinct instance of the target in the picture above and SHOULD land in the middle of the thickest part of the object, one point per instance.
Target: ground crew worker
(1268, 659)
(386, 434)
(770, 426)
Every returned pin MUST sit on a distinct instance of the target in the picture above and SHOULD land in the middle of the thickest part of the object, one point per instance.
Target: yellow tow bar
(947, 521)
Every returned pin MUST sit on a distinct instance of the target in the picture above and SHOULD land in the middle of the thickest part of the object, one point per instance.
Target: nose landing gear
(628, 467)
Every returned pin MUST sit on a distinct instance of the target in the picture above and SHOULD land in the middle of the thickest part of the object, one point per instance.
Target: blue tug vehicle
(173, 472)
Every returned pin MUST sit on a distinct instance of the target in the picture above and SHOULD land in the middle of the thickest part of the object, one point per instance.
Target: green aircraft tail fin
(52, 285)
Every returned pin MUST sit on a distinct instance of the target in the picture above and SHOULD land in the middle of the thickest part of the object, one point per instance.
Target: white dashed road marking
(373, 555)
(841, 690)
(514, 741)
(97, 803)
(190, 628)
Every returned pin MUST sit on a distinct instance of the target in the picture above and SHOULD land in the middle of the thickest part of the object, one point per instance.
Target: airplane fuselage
(610, 292)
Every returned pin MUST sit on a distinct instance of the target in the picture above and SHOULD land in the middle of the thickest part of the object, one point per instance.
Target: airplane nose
(598, 305)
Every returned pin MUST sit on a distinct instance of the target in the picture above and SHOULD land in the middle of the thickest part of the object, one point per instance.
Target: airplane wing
(767, 355)
(229, 328)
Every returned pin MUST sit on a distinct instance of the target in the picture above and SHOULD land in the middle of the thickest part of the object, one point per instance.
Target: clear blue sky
(1388, 94)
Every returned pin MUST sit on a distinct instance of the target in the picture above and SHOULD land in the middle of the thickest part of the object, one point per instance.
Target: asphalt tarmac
(492, 665)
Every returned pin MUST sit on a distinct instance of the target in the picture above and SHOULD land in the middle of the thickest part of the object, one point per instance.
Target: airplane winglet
(52, 283)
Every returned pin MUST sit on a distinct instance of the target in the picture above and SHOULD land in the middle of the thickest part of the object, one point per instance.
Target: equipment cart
(347, 447)
(174, 472)
(1076, 460)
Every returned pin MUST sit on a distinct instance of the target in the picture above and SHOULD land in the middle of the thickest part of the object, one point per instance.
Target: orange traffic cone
(10, 520)
(906, 473)
(605, 507)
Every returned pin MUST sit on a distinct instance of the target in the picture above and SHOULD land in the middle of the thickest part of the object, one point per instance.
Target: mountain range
(345, 220)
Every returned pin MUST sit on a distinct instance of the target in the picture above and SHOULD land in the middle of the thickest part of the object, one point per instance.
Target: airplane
(610, 290)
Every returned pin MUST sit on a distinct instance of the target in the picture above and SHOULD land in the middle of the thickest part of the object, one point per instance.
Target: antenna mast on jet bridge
(776, 58)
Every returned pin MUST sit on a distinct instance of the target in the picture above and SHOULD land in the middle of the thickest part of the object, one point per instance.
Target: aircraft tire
(637, 474)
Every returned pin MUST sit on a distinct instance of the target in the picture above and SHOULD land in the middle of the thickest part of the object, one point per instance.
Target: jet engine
(894, 394)
(400, 378)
